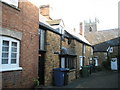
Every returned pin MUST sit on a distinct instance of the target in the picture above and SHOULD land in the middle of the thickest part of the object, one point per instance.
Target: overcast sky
(75, 11)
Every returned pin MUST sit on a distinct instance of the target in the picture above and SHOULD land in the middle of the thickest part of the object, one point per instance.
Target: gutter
(42, 25)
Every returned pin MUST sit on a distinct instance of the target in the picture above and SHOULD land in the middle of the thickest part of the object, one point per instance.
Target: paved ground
(101, 79)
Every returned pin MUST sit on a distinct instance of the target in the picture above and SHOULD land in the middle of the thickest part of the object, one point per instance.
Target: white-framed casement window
(9, 54)
(11, 2)
(67, 62)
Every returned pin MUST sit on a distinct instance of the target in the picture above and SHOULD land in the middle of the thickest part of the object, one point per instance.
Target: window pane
(14, 49)
(13, 55)
(62, 62)
(14, 44)
(5, 43)
(5, 49)
(13, 61)
(4, 55)
(4, 61)
(42, 39)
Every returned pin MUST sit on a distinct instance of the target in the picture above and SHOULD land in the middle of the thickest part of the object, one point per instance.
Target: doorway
(41, 68)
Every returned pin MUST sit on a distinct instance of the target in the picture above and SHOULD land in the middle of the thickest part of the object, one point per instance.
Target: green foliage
(36, 82)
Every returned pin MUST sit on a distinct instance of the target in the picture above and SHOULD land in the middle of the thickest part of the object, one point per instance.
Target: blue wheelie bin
(58, 75)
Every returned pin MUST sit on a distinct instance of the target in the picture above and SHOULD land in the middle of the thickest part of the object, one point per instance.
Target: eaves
(46, 27)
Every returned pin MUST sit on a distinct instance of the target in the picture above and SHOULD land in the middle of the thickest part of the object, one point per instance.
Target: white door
(114, 64)
(96, 61)
(81, 62)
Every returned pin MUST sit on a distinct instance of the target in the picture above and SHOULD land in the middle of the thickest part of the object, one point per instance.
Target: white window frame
(9, 66)
(111, 50)
(11, 2)
(81, 61)
(84, 48)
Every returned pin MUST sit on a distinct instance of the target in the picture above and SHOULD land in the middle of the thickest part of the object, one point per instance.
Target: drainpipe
(83, 54)
(60, 46)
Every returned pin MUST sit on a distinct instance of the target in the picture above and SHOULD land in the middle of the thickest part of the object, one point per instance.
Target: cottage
(106, 51)
(62, 49)
(19, 44)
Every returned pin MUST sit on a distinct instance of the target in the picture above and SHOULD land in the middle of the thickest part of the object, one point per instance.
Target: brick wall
(25, 20)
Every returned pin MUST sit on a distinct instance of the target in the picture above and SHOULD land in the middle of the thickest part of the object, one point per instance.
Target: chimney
(45, 11)
(81, 29)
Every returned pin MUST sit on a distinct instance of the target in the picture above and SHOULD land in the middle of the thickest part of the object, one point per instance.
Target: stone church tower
(90, 26)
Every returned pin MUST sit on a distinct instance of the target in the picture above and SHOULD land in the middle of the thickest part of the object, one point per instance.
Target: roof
(44, 24)
(54, 22)
(102, 47)
(48, 28)
(102, 36)
(43, 19)
(78, 37)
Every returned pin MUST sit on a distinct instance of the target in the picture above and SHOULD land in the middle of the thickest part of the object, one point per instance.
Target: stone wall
(115, 52)
(24, 19)
(71, 75)
(102, 56)
(87, 55)
(51, 59)
(78, 49)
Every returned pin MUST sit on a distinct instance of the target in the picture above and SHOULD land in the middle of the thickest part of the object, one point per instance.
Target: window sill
(11, 69)
(71, 70)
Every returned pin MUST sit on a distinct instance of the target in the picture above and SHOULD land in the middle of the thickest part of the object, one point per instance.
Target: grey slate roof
(102, 47)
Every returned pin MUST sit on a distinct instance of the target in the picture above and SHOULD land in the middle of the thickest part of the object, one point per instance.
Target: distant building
(102, 41)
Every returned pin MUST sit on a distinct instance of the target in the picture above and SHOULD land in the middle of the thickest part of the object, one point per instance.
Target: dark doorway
(41, 68)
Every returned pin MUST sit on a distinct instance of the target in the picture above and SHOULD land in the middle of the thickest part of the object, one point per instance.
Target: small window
(90, 29)
(69, 41)
(9, 53)
(84, 48)
(67, 62)
(111, 50)
(42, 39)
(11, 2)
(81, 62)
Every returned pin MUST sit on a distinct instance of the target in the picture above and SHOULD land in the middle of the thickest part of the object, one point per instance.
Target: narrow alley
(101, 79)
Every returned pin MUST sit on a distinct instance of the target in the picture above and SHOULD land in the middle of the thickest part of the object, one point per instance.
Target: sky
(75, 11)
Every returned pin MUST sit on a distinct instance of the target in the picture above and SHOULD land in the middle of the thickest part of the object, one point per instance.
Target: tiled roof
(102, 36)
(54, 22)
(78, 37)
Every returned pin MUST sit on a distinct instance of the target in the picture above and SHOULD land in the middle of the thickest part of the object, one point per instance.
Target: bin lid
(61, 69)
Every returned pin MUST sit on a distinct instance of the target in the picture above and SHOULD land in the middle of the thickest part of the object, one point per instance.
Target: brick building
(61, 49)
(30, 47)
(19, 44)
